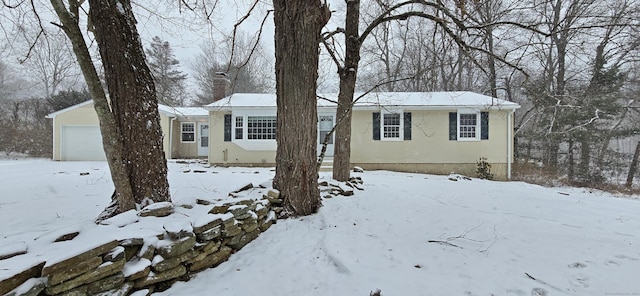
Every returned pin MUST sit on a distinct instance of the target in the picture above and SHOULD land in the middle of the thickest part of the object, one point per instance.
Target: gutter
(53, 140)
(377, 107)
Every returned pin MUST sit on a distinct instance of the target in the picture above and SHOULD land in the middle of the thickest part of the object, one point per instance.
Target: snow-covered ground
(405, 234)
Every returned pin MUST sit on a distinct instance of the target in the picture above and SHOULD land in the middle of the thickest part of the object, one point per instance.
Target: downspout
(509, 143)
(55, 147)
(171, 137)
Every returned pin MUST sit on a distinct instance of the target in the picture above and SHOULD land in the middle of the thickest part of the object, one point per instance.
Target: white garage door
(81, 143)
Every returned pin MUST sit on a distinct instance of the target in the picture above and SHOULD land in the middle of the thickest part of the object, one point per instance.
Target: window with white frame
(468, 126)
(261, 127)
(239, 127)
(188, 132)
(391, 125)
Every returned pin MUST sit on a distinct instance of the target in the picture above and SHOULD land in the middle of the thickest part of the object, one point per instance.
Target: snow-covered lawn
(405, 234)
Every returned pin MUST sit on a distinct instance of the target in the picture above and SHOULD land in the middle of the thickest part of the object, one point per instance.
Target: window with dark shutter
(376, 126)
(407, 126)
(484, 125)
(453, 126)
(227, 127)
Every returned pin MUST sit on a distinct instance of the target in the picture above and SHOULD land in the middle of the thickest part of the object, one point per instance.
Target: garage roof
(169, 111)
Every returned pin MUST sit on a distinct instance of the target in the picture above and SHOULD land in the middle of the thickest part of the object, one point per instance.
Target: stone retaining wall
(123, 266)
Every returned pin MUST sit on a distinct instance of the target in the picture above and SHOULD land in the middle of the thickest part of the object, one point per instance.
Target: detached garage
(76, 133)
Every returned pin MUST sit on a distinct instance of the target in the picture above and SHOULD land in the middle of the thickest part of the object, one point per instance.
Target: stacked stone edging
(121, 267)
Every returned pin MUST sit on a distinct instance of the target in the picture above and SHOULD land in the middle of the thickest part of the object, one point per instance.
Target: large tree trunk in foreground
(110, 135)
(348, 75)
(297, 37)
(133, 99)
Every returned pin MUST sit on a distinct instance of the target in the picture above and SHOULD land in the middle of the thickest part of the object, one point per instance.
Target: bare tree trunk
(570, 170)
(493, 84)
(607, 139)
(551, 148)
(487, 13)
(133, 99)
(110, 135)
(632, 167)
(585, 159)
(560, 40)
(348, 75)
(297, 37)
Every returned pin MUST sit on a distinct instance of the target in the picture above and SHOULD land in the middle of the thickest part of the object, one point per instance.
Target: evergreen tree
(68, 98)
(168, 79)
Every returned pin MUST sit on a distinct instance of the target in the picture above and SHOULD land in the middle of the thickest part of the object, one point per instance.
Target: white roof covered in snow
(182, 111)
(163, 109)
(418, 100)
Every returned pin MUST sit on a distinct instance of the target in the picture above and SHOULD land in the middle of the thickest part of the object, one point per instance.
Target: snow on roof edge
(167, 110)
(426, 100)
(183, 111)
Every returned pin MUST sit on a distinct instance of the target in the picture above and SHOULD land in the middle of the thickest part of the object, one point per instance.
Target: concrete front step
(326, 168)
(327, 164)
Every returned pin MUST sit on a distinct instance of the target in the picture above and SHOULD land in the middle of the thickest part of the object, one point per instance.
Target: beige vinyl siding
(186, 149)
(430, 150)
(165, 123)
(429, 141)
(235, 155)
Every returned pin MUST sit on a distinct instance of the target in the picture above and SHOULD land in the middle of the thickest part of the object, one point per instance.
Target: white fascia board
(435, 108)
(254, 110)
(218, 108)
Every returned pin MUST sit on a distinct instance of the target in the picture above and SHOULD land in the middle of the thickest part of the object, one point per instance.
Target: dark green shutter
(453, 126)
(407, 126)
(376, 126)
(227, 127)
(484, 126)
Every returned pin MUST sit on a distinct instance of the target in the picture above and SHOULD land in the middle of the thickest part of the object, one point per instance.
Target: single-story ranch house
(438, 132)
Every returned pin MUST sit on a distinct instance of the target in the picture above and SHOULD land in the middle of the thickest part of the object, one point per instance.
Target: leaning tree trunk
(348, 75)
(632, 167)
(571, 165)
(297, 37)
(108, 127)
(133, 99)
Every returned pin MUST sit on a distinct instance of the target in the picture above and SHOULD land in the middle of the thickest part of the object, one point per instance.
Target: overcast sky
(187, 31)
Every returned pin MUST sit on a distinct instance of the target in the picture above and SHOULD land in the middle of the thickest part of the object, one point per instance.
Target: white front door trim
(203, 138)
(325, 124)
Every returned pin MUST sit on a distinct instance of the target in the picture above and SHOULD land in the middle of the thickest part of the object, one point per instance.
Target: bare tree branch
(237, 24)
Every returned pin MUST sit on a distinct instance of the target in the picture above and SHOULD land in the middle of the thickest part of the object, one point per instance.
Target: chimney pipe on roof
(221, 86)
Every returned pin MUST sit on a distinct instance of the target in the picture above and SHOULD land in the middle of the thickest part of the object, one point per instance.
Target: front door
(325, 124)
(203, 139)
